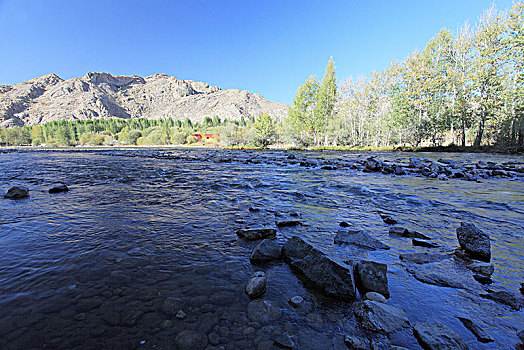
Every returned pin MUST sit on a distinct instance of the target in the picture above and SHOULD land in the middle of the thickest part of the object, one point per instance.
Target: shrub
(191, 139)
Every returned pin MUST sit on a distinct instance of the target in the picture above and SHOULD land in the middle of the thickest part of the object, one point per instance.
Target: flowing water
(93, 267)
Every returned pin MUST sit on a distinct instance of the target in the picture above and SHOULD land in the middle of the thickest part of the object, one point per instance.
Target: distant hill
(101, 95)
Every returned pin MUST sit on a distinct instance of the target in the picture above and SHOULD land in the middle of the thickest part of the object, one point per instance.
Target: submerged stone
(256, 286)
(265, 251)
(191, 340)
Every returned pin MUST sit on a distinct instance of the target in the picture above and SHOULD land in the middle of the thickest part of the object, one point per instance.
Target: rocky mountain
(102, 95)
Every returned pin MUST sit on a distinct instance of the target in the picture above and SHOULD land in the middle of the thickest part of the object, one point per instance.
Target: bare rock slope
(101, 95)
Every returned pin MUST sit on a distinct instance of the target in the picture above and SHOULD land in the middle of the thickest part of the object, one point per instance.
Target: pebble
(375, 297)
(180, 314)
(296, 301)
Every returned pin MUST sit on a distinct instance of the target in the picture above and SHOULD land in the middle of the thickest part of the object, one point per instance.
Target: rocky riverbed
(207, 249)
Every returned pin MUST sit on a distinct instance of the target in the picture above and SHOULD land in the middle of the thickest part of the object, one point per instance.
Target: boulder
(478, 332)
(191, 340)
(256, 286)
(359, 239)
(17, 192)
(404, 232)
(329, 276)
(251, 234)
(382, 318)
(265, 251)
(522, 288)
(436, 336)
(475, 242)
(58, 188)
(371, 276)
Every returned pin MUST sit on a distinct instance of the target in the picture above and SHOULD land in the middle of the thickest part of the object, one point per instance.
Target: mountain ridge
(102, 95)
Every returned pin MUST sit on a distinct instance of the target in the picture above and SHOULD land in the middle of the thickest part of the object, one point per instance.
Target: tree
(299, 122)
(325, 100)
(487, 64)
(265, 133)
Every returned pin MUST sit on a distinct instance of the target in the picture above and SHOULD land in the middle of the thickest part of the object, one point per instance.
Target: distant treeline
(140, 131)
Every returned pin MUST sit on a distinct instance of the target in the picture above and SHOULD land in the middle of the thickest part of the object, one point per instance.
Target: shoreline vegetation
(464, 92)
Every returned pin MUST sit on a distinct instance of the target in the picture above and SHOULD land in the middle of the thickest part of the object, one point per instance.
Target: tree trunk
(480, 131)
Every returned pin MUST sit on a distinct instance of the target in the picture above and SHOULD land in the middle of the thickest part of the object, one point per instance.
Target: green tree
(325, 100)
(264, 130)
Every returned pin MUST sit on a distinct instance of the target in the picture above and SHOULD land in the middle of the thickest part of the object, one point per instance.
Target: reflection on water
(94, 267)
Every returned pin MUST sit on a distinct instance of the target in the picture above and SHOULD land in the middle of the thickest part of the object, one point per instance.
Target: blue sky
(267, 47)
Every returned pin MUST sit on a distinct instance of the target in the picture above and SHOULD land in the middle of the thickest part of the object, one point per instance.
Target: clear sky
(267, 47)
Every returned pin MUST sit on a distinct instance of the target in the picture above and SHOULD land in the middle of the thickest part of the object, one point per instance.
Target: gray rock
(383, 318)
(360, 239)
(379, 298)
(329, 276)
(521, 336)
(371, 276)
(481, 268)
(503, 297)
(478, 332)
(423, 243)
(256, 233)
(404, 232)
(437, 278)
(422, 258)
(262, 311)
(180, 314)
(265, 251)
(59, 188)
(191, 340)
(17, 192)
(284, 341)
(286, 223)
(256, 286)
(355, 343)
(436, 336)
(101, 95)
(296, 301)
(475, 242)
(388, 219)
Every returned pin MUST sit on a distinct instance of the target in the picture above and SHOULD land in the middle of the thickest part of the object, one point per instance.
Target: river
(92, 268)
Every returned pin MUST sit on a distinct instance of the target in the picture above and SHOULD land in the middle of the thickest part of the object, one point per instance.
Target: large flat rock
(359, 239)
(436, 336)
(383, 318)
(329, 276)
